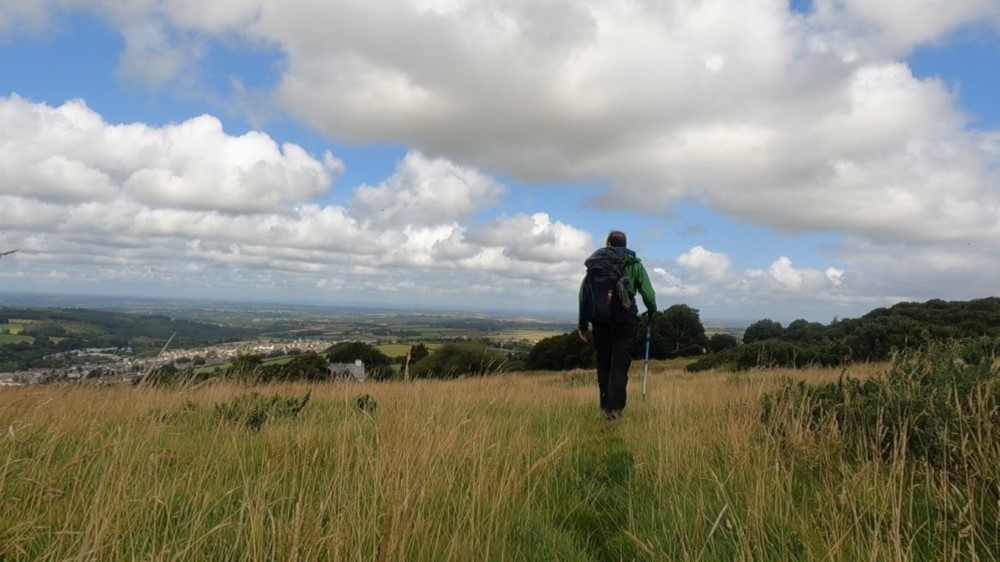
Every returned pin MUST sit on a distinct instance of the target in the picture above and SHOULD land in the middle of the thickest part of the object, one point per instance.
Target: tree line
(678, 332)
(451, 360)
(872, 337)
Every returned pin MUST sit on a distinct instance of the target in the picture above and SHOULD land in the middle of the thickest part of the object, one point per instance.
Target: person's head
(616, 239)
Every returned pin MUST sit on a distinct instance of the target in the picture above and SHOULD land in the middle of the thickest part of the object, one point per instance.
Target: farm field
(401, 349)
(11, 339)
(513, 467)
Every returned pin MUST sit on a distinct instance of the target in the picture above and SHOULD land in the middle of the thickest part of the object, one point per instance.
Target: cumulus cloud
(535, 238)
(424, 192)
(800, 122)
(191, 203)
(17, 16)
(893, 27)
(702, 264)
(69, 153)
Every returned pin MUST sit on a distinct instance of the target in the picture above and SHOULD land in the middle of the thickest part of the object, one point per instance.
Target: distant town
(120, 365)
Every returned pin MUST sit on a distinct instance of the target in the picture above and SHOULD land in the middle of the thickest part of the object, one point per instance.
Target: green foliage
(245, 368)
(677, 332)
(454, 360)
(764, 354)
(253, 410)
(560, 353)
(873, 337)
(762, 330)
(939, 406)
(303, 367)
(721, 342)
(378, 366)
(418, 352)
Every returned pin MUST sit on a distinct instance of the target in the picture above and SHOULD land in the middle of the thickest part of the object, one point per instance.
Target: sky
(767, 159)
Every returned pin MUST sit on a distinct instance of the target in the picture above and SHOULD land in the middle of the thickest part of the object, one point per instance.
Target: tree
(559, 353)
(721, 342)
(762, 330)
(453, 360)
(418, 352)
(676, 332)
(304, 367)
(378, 366)
(245, 367)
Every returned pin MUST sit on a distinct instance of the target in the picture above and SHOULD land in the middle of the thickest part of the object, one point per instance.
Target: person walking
(607, 302)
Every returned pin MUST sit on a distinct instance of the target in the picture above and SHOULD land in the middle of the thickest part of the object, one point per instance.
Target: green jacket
(638, 282)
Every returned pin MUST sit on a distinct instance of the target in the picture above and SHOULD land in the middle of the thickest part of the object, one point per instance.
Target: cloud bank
(801, 122)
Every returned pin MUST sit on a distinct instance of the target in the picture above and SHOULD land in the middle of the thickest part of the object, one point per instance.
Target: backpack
(605, 288)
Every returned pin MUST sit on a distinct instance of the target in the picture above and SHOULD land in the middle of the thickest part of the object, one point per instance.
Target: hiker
(607, 301)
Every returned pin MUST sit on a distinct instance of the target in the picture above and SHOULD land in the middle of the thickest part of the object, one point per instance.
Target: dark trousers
(613, 343)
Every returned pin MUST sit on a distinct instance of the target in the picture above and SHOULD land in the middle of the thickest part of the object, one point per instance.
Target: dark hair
(616, 239)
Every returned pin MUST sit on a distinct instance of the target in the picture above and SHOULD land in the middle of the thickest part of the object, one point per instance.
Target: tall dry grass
(518, 467)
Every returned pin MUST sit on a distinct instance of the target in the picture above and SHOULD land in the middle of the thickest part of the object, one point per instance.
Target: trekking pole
(645, 369)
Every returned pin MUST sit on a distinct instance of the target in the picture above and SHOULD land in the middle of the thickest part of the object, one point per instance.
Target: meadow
(513, 467)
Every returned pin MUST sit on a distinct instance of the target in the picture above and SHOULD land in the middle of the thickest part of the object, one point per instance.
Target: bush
(560, 353)
(939, 406)
(303, 367)
(721, 342)
(453, 360)
(254, 410)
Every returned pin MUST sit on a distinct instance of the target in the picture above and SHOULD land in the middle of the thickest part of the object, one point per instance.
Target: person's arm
(581, 323)
(645, 288)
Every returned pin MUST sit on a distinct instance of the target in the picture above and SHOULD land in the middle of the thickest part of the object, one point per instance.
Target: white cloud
(188, 202)
(798, 122)
(425, 191)
(17, 16)
(702, 264)
(801, 123)
(836, 276)
(786, 275)
(535, 238)
(154, 58)
(68, 153)
(894, 27)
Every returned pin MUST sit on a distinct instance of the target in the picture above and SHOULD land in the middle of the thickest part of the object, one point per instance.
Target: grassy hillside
(520, 467)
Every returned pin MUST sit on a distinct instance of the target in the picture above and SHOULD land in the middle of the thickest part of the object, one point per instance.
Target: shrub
(939, 406)
(721, 342)
(254, 410)
(454, 360)
(560, 353)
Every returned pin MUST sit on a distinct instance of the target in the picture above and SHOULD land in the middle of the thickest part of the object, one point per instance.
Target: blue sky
(768, 160)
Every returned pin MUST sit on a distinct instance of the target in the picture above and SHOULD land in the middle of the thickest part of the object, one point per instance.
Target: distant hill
(41, 332)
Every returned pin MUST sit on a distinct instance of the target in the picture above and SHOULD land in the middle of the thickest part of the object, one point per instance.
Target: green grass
(11, 339)
(401, 349)
(526, 334)
(518, 467)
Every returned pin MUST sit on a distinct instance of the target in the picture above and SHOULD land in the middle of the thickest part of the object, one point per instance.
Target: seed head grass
(513, 467)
